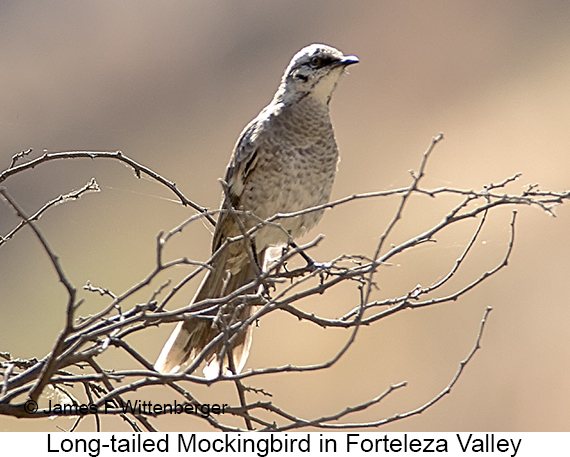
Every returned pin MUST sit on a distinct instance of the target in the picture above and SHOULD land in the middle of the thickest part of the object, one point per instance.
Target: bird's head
(314, 71)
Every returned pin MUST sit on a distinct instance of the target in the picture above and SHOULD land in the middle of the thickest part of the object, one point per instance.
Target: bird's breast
(290, 177)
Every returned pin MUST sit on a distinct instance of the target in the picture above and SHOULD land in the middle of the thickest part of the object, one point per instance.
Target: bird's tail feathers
(191, 336)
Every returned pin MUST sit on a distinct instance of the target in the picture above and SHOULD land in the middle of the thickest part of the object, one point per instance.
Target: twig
(116, 155)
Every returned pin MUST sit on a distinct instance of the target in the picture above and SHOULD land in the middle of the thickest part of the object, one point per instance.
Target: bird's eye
(316, 61)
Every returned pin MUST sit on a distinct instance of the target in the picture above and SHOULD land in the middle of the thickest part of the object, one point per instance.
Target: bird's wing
(242, 163)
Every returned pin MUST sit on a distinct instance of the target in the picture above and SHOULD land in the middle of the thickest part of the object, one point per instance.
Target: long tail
(191, 336)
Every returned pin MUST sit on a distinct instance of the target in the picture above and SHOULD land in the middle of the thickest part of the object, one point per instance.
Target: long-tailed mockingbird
(284, 161)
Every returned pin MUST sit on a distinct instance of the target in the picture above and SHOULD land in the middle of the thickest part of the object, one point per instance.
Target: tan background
(172, 84)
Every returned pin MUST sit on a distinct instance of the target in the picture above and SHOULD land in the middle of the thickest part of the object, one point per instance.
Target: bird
(284, 161)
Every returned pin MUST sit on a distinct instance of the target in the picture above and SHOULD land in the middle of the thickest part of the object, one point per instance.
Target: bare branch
(116, 155)
(91, 186)
(49, 367)
(74, 359)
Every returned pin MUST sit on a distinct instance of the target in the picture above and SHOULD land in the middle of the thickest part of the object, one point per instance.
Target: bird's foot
(313, 264)
(321, 265)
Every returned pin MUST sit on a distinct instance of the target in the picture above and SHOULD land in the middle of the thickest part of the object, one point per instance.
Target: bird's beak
(348, 60)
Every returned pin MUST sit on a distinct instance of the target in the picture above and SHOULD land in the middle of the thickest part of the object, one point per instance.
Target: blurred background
(172, 84)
